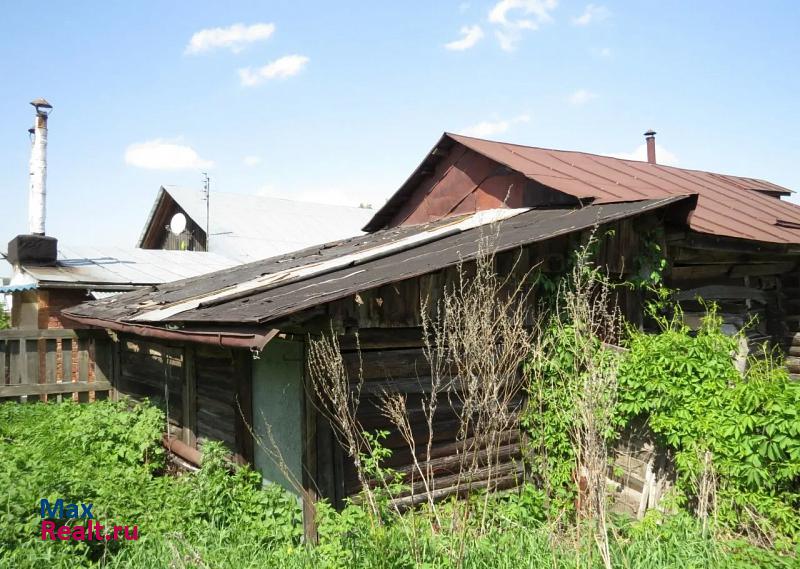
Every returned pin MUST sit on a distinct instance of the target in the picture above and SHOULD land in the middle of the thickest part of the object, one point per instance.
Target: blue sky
(339, 101)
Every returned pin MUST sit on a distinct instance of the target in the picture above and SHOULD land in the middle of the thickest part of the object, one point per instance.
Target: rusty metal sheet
(731, 206)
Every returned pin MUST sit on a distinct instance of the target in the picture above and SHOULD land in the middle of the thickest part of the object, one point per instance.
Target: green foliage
(685, 386)
(5, 318)
(109, 455)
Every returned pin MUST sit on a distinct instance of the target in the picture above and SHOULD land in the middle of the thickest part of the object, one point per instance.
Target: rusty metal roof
(265, 291)
(731, 206)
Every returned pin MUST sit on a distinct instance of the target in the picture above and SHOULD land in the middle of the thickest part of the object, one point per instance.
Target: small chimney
(35, 248)
(37, 190)
(650, 137)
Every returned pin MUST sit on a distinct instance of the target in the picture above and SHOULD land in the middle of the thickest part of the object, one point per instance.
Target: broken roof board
(124, 266)
(727, 205)
(284, 298)
(247, 227)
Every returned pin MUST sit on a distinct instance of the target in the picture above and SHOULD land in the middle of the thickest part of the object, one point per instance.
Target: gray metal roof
(248, 227)
(121, 266)
(258, 293)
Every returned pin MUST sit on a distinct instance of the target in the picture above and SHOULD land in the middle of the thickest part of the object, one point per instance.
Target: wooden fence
(37, 365)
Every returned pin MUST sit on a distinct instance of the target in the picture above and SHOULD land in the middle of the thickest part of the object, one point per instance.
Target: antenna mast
(207, 197)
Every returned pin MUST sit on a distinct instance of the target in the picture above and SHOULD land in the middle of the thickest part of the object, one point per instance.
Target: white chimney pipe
(37, 191)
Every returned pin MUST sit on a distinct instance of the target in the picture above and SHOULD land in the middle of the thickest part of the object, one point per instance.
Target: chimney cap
(42, 106)
(650, 132)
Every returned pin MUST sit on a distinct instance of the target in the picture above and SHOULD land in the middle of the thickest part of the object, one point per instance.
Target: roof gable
(727, 205)
(248, 227)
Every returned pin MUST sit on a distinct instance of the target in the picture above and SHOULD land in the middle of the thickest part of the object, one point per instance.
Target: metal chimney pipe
(37, 190)
(650, 137)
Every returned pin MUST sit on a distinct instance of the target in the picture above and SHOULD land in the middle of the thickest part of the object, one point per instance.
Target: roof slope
(247, 227)
(124, 266)
(727, 205)
(261, 292)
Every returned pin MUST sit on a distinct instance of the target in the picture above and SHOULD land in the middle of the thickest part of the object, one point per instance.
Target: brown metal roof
(282, 297)
(729, 206)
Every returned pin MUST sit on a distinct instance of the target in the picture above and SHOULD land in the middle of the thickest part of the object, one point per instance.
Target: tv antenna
(207, 198)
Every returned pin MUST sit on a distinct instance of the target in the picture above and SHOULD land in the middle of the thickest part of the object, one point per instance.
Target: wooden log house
(228, 350)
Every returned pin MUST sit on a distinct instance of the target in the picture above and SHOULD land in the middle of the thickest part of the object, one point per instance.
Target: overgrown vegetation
(103, 454)
(735, 441)
(684, 384)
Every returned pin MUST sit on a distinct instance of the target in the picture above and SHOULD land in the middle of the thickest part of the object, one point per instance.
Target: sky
(338, 102)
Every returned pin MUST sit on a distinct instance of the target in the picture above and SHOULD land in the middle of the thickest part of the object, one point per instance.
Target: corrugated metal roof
(5, 289)
(726, 205)
(124, 266)
(271, 289)
(249, 227)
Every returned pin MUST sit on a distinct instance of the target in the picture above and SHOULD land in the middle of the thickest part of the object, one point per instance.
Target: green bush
(110, 456)
(685, 386)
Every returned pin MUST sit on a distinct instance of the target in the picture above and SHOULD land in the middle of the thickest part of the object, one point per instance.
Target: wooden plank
(309, 459)
(25, 371)
(50, 361)
(50, 334)
(243, 406)
(716, 292)
(83, 368)
(3, 357)
(189, 399)
(45, 388)
(66, 359)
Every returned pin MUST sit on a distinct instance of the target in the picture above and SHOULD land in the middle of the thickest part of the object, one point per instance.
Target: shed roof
(731, 206)
(261, 292)
(123, 267)
(248, 227)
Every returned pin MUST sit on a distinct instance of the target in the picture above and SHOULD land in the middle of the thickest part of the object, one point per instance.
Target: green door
(278, 413)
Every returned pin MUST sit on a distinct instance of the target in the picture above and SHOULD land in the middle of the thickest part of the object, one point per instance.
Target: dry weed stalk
(339, 396)
(476, 338)
(706, 490)
(587, 323)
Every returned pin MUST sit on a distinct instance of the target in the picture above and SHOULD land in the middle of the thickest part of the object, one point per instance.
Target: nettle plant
(684, 384)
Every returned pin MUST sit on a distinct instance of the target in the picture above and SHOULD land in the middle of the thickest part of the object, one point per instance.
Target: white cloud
(663, 156)
(592, 13)
(234, 38)
(515, 16)
(581, 97)
(282, 68)
(160, 154)
(251, 160)
(470, 36)
(603, 52)
(491, 128)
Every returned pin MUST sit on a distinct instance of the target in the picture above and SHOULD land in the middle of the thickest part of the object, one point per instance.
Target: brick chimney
(650, 137)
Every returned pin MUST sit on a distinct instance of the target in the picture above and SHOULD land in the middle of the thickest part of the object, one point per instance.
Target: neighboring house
(245, 227)
(41, 287)
(727, 238)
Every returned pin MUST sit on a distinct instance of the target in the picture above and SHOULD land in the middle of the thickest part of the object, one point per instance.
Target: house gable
(156, 233)
(455, 180)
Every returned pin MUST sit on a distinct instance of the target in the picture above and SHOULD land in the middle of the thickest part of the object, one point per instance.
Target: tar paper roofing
(731, 206)
(257, 293)
(249, 227)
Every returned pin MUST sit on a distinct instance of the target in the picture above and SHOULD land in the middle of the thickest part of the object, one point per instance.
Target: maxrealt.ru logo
(92, 531)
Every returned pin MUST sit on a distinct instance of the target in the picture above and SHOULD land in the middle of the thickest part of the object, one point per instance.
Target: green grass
(107, 455)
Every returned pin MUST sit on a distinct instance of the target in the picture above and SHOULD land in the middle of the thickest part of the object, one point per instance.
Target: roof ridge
(595, 154)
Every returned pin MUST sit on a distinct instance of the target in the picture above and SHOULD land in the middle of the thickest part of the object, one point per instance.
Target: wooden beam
(243, 410)
(53, 388)
(189, 397)
(310, 493)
